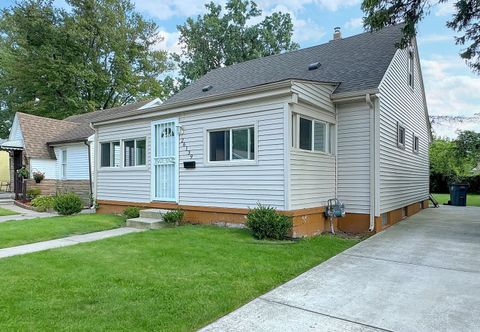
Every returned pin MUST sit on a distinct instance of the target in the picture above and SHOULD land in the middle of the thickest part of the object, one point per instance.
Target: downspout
(371, 105)
(89, 174)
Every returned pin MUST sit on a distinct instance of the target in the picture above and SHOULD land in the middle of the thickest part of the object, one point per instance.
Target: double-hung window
(110, 154)
(232, 144)
(411, 68)
(64, 163)
(134, 152)
(314, 135)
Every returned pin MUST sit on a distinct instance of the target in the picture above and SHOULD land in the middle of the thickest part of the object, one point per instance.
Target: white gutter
(95, 168)
(373, 153)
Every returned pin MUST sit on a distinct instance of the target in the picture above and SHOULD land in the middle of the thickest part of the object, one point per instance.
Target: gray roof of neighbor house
(40, 132)
(355, 63)
(82, 131)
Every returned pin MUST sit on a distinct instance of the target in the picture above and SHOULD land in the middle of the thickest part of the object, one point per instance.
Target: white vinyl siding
(131, 184)
(46, 166)
(236, 185)
(311, 173)
(404, 175)
(353, 156)
(77, 162)
(242, 183)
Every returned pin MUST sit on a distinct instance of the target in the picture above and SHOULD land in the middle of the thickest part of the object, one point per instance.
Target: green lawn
(6, 212)
(472, 199)
(174, 279)
(14, 233)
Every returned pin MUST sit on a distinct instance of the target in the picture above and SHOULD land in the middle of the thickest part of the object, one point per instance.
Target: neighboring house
(344, 119)
(61, 149)
(4, 169)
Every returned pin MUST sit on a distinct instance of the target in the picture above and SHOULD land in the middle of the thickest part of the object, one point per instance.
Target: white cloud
(451, 89)
(166, 9)
(445, 8)
(354, 23)
(435, 38)
(169, 42)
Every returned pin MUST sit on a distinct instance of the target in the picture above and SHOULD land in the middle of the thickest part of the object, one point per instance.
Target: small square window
(110, 154)
(400, 135)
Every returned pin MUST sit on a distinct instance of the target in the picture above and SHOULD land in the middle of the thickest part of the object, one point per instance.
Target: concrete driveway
(422, 274)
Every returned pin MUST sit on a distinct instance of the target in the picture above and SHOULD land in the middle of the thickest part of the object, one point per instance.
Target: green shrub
(33, 193)
(173, 217)
(266, 223)
(67, 204)
(131, 212)
(43, 203)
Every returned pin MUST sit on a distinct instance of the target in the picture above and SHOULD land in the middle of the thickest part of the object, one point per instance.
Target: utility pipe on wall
(369, 102)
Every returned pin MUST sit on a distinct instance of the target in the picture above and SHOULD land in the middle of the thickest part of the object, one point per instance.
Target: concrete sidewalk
(65, 242)
(422, 274)
(23, 214)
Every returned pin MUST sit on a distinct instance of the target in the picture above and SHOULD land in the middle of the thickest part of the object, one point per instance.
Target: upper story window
(134, 152)
(401, 135)
(232, 144)
(411, 68)
(314, 135)
(110, 154)
(416, 143)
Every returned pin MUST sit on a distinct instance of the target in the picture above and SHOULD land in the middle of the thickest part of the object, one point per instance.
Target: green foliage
(67, 204)
(173, 217)
(382, 13)
(131, 212)
(33, 192)
(43, 203)
(56, 63)
(266, 223)
(23, 172)
(225, 36)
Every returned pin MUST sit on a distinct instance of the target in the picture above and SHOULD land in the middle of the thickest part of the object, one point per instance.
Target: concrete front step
(153, 213)
(145, 223)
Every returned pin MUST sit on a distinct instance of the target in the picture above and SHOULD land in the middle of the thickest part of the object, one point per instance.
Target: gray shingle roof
(107, 113)
(356, 63)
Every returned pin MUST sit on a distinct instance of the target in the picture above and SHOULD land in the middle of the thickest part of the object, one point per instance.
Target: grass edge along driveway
(18, 232)
(472, 199)
(6, 212)
(173, 279)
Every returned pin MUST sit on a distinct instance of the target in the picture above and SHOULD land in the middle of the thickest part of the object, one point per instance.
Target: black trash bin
(458, 194)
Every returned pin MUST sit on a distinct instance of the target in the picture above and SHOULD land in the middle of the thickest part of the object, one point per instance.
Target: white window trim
(400, 145)
(63, 164)
(296, 136)
(411, 68)
(112, 152)
(231, 162)
(415, 137)
(135, 152)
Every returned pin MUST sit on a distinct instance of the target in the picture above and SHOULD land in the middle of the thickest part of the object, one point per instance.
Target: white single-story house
(61, 149)
(345, 119)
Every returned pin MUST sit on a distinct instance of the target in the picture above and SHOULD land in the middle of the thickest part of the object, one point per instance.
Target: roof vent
(314, 66)
(337, 34)
(207, 88)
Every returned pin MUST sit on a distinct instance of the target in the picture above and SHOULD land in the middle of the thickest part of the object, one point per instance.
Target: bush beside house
(67, 204)
(266, 223)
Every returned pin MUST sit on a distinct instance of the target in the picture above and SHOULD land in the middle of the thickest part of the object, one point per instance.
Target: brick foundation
(52, 187)
(306, 222)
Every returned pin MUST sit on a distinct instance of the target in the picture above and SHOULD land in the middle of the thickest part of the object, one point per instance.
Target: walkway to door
(422, 274)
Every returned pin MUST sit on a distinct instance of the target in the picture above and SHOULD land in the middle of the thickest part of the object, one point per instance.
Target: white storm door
(165, 160)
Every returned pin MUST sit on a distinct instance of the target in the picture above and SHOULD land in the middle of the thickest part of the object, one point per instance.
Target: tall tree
(222, 37)
(381, 13)
(98, 54)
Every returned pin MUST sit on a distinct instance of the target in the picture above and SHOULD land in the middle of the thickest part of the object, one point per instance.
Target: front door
(165, 160)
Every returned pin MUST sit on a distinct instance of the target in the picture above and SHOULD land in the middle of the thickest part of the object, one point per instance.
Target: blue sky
(452, 89)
